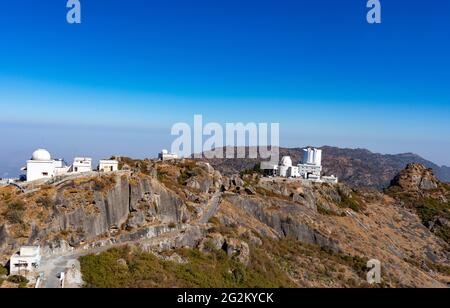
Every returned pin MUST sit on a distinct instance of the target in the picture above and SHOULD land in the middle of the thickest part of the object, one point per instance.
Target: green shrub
(256, 169)
(44, 201)
(212, 270)
(214, 220)
(18, 279)
(103, 183)
(323, 211)
(15, 212)
(3, 271)
(351, 201)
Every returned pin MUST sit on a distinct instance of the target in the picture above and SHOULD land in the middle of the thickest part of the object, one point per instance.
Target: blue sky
(117, 83)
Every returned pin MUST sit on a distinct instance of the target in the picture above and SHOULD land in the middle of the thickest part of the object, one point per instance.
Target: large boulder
(415, 177)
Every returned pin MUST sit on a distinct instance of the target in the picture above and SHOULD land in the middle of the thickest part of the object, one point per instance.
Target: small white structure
(26, 261)
(108, 165)
(60, 167)
(165, 155)
(81, 165)
(330, 179)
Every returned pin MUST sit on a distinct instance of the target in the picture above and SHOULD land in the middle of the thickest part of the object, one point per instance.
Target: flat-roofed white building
(165, 155)
(81, 165)
(108, 165)
(26, 261)
(330, 179)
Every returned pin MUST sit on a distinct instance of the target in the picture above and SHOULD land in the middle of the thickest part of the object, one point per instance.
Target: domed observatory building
(42, 166)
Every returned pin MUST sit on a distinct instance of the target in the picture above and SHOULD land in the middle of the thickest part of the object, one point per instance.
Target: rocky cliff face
(87, 209)
(415, 177)
(417, 188)
(165, 206)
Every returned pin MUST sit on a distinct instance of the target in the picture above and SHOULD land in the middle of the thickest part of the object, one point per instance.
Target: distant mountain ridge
(357, 167)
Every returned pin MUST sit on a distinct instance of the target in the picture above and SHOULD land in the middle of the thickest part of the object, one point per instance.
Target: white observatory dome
(286, 161)
(41, 154)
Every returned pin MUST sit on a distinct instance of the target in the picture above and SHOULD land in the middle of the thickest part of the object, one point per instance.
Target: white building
(284, 166)
(26, 261)
(81, 165)
(165, 155)
(330, 179)
(311, 164)
(309, 169)
(108, 165)
(42, 166)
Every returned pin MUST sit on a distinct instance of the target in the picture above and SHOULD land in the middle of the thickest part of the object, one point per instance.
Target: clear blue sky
(133, 68)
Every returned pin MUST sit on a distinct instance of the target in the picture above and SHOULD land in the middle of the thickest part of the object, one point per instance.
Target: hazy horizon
(116, 83)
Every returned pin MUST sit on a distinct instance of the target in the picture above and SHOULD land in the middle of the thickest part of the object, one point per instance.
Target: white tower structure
(311, 166)
(312, 157)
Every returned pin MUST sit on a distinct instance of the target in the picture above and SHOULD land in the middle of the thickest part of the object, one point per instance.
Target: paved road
(53, 267)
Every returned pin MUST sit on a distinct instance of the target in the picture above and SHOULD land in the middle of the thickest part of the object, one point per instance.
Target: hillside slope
(184, 224)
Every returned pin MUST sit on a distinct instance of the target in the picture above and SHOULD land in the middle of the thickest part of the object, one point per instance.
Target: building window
(45, 173)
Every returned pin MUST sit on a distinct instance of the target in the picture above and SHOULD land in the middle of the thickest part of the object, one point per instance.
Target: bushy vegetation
(3, 271)
(327, 212)
(103, 183)
(287, 252)
(430, 211)
(213, 270)
(188, 171)
(15, 212)
(256, 169)
(446, 186)
(351, 201)
(272, 265)
(20, 280)
(44, 201)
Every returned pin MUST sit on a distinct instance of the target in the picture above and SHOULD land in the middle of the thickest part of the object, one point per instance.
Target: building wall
(108, 166)
(283, 171)
(163, 156)
(82, 164)
(293, 172)
(37, 170)
(28, 260)
(305, 169)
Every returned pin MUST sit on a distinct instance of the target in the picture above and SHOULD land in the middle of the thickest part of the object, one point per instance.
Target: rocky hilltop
(189, 225)
(356, 167)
